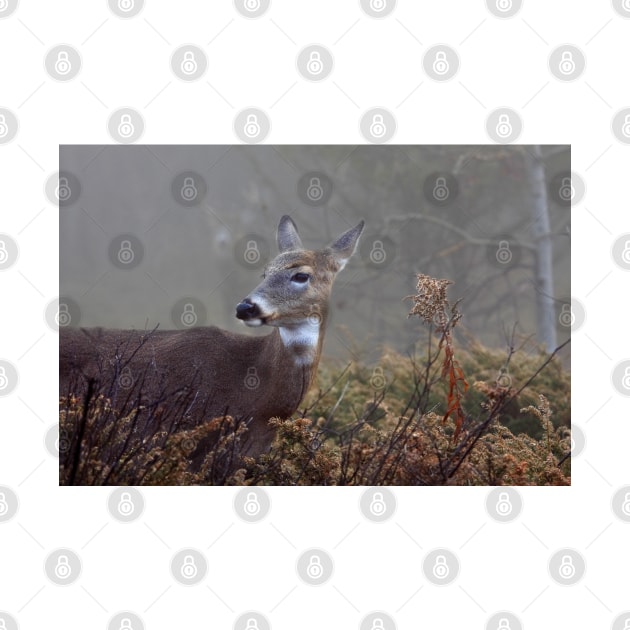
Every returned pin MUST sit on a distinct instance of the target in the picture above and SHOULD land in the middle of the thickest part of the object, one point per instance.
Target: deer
(250, 378)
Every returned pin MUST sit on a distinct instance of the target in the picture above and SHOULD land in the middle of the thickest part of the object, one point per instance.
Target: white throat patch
(303, 338)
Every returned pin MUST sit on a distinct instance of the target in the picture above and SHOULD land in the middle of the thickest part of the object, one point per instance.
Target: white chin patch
(253, 323)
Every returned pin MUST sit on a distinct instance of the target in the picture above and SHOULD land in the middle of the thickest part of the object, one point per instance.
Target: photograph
(315, 315)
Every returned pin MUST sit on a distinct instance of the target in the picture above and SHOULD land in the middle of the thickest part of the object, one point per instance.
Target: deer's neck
(303, 342)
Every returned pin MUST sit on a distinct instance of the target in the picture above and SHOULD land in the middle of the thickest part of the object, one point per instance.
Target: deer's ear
(288, 238)
(346, 245)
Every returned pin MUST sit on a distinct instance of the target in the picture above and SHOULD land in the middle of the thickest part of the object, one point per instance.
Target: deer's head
(297, 282)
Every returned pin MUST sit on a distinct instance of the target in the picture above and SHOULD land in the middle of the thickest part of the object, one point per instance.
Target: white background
(252, 63)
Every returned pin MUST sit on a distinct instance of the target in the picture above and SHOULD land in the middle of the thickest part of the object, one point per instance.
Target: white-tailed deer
(216, 372)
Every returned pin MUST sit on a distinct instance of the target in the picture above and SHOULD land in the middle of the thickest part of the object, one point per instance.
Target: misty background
(176, 236)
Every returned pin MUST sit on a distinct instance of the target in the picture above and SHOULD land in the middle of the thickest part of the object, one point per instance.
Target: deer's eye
(300, 277)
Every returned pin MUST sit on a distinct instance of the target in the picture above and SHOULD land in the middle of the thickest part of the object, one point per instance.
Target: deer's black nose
(247, 310)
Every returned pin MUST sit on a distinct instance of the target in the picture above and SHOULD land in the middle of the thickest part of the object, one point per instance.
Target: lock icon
(62, 65)
(504, 505)
(63, 317)
(4, 506)
(625, 381)
(125, 253)
(252, 127)
(440, 190)
(125, 5)
(625, 129)
(378, 254)
(252, 5)
(252, 505)
(625, 506)
(626, 624)
(625, 255)
(566, 192)
(314, 64)
(189, 568)
(4, 254)
(4, 129)
(63, 191)
(4, 381)
(126, 379)
(125, 624)
(378, 506)
(504, 624)
(567, 568)
(504, 255)
(315, 191)
(567, 64)
(566, 317)
(125, 505)
(252, 254)
(189, 64)
(315, 570)
(377, 127)
(440, 568)
(252, 624)
(504, 5)
(251, 379)
(125, 126)
(189, 190)
(378, 624)
(440, 63)
(504, 127)
(378, 5)
(63, 570)
(188, 317)
(378, 378)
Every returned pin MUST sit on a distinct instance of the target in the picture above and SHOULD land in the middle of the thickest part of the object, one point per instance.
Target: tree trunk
(539, 209)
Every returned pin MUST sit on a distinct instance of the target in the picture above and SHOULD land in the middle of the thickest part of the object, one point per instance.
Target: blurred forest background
(201, 220)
